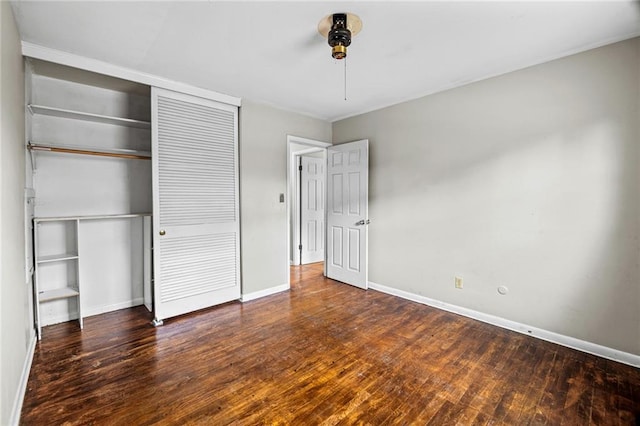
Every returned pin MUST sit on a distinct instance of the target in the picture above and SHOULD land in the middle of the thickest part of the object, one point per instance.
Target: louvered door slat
(195, 203)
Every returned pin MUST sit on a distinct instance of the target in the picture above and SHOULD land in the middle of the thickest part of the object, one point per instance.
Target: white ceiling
(271, 51)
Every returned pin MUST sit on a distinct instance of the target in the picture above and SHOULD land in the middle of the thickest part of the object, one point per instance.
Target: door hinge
(300, 168)
(300, 247)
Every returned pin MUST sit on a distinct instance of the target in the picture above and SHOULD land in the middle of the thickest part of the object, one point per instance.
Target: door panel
(195, 203)
(312, 209)
(347, 209)
(336, 244)
(354, 250)
(354, 193)
(337, 204)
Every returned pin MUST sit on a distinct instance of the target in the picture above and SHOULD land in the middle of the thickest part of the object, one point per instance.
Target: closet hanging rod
(36, 147)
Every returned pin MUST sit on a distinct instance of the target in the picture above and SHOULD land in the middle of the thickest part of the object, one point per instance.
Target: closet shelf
(57, 257)
(68, 149)
(59, 293)
(38, 219)
(86, 116)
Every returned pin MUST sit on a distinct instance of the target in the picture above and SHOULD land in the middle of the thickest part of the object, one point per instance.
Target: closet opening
(126, 182)
(88, 192)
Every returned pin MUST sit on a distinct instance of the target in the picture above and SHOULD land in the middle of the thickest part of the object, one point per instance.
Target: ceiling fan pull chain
(345, 79)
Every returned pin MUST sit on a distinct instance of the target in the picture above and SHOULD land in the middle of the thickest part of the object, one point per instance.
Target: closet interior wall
(64, 184)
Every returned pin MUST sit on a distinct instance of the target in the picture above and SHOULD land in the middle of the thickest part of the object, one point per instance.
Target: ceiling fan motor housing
(339, 37)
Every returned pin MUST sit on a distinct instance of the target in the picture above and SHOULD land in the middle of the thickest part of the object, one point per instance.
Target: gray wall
(528, 180)
(15, 323)
(263, 176)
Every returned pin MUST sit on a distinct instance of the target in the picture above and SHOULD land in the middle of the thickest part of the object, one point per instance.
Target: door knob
(162, 232)
(363, 222)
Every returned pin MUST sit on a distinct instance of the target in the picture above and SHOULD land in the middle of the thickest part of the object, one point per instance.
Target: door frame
(313, 145)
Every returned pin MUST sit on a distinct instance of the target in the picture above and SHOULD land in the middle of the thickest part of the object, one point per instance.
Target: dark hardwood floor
(323, 353)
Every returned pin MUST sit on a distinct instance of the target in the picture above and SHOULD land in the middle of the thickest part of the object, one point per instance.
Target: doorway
(306, 150)
(346, 170)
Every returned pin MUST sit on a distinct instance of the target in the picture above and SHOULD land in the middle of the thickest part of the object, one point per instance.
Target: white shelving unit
(71, 288)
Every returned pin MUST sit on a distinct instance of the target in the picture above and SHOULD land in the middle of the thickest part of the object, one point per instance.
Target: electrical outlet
(458, 282)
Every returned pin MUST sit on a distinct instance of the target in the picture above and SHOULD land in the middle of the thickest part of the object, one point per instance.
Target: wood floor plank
(537, 369)
(323, 353)
(579, 392)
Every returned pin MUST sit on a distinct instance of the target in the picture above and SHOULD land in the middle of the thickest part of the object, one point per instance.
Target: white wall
(529, 180)
(16, 330)
(263, 177)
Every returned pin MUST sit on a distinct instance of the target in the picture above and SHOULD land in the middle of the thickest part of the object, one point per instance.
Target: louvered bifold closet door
(195, 203)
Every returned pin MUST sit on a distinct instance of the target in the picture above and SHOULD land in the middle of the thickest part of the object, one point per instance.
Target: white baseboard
(57, 319)
(24, 378)
(549, 336)
(89, 312)
(266, 292)
(113, 307)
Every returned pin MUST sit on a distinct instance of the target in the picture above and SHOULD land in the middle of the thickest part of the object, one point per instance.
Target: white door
(195, 203)
(312, 209)
(347, 210)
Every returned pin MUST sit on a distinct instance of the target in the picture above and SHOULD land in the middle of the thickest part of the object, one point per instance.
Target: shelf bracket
(32, 157)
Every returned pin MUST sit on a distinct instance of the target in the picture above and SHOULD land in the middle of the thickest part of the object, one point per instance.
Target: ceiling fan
(338, 28)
